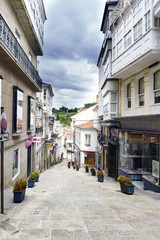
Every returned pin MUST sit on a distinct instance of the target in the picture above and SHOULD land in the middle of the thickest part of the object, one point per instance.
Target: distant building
(85, 125)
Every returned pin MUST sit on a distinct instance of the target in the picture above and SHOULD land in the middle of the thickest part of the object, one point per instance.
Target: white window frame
(15, 176)
(113, 102)
(127, 24)
(154, 89)
(18, 35)
(138, 30)
(87, 140)
(137, 12)
(140, 94)
(128, 97)
(127, 39)
(147, 21)
(147, 5)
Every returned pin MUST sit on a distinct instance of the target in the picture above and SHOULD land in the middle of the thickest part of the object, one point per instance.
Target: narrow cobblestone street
(70, 205)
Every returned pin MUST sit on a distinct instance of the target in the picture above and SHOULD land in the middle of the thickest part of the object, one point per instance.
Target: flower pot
(128, 189)
(37, 179)
(101, 178)
(18, 196)
(77, 169)
(86, 169)
(74, 167)
(93, 173)
(31, 183)
(68, 166)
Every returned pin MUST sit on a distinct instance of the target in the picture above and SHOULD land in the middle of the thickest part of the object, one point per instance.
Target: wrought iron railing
(10, 41)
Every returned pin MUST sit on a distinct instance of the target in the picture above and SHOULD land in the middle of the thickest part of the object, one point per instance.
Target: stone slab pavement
(72, 205)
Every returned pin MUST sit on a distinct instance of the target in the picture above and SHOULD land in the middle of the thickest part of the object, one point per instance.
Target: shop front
(90, 158)
(139, 155)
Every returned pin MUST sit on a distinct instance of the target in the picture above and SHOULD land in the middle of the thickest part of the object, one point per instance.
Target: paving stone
(76, 206)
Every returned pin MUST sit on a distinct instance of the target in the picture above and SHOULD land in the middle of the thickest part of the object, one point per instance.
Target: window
(127, 39)
(105, 109)
(16, 163)
(137, 30)
(119, 48)
(147, 21)
(113, 102)
(157, 22)
(17, 110)
(141, 91)
(137, 12)
(146, 5)
(87, 139)
(30, 57)
(119, 33)
(30, 116)
(157, 87)
(129, 95)
(114, 53)
(127, 24)
(44, 91)
(18, 36)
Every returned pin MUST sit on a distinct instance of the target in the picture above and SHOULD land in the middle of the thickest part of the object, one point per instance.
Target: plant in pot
(69, 164)
(93, 171)
(31, 180)
(126, 184)
(86, 168)
(74, 166)
(37, 174)
(77, 167)
(100, 176)
(19, 189)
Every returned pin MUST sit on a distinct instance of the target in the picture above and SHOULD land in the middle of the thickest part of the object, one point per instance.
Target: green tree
(87, 105)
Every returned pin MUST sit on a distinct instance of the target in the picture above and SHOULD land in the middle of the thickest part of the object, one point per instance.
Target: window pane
(141, 100)
(113, 107)
(129, 103)
(157, 97)
(128, 90)
(15, 162)
(157, 80)
(19, 110)
(141, 86)
(113, 96)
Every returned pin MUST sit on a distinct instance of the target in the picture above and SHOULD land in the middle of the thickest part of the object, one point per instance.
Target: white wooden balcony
(141, 54)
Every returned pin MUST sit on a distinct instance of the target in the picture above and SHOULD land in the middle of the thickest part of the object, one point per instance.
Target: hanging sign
(28, 142)
(36, 139)
(48, 145)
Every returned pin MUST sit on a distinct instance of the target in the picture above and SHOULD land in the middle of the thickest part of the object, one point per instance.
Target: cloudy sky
(71, 48)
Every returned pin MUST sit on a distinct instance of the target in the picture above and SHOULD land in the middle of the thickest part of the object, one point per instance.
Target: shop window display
(139, 156)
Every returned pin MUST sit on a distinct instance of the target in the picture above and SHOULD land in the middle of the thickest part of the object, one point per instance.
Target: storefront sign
(36, 139)
(28, 142)
(48, 145)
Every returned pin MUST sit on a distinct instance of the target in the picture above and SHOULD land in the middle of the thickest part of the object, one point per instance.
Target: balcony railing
(10, 41)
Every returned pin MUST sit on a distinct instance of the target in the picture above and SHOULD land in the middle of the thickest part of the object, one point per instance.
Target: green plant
(124, 180)
(37, 173)
(100, 173)
(92, 170)
(20, 185)
(32, 176)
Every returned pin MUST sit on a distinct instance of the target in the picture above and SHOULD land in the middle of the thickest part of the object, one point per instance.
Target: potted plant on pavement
(74, 166)
(126, 184)
(37, 174)
(19, 189)
(93, 171)
(86, 168)
(77, 167)
(69, 164)
(31, 180)
(100, 176)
